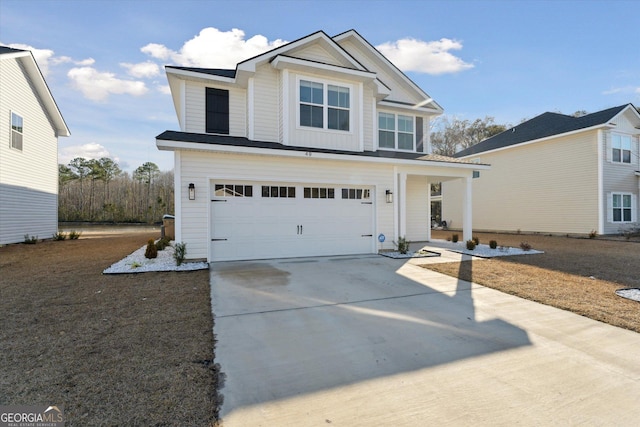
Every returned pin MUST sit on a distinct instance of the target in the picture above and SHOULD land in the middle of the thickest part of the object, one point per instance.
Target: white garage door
(271, 220)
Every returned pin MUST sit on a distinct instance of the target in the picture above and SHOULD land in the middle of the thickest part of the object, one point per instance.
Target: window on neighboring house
(324, 106)
(217, 111)
(16, 131)
(622, 208)
(621, 148)
(395, 131)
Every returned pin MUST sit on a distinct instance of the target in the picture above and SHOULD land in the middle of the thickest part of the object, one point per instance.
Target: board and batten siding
(619, 177)
(196, 108)
(200, 168)
(549, 186)
(266, 104)
(28, 178)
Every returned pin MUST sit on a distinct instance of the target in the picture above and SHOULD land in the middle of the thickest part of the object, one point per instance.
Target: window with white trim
(324, 106)
(622, 207)
(396, 131)
(16, 131)
(620, 148)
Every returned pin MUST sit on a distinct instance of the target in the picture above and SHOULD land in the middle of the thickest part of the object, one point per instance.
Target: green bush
(493, 244)
(59, 236)
(180, 252)
(525, 246)
(476, 240)
(455, 238)
(402, 245)
(471, 245)
(74, 235)
(162, 243)
(151, 251)
(30, 240)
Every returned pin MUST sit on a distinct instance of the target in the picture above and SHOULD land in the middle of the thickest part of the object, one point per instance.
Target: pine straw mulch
(576, 274)
(113, 349)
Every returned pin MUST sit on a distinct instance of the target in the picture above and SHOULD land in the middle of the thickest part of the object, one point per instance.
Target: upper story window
(217, 111)
(16, 131)
(621, 148)
(395, 131)
(324, 106)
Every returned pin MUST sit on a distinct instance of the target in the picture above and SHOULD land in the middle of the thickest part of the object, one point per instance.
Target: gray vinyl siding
(28, 178)
(619, 177)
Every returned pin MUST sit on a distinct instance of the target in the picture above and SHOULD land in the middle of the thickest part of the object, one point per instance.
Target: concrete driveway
(361, 341)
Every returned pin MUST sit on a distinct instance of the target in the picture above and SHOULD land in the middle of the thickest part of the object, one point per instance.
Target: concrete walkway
(361, 341)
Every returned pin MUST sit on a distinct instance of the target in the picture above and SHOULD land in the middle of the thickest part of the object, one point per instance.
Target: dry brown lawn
(575, 274)
(133, 349)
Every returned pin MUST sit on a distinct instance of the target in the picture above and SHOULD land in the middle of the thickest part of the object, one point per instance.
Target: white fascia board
(198, 76)
(381, 57)
(547, 138)
(165, 145)
(397, 106)
(624, 110)
(36, 77)
(13, 55)
(281, 62)
(251, 64)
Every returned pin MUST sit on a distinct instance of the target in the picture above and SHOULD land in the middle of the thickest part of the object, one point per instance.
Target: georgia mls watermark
(31, 416)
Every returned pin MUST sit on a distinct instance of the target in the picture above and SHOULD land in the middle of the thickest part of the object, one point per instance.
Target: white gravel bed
(137, 263)
(631, 293)
(481, 250)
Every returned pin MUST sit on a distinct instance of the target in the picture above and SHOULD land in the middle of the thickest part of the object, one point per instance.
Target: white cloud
(432, 57)
(164, 89)
(91, 150)
(67, 59)
(97, 85)
(214, 49)
(42, 56)
(622, 90)
(142, 69)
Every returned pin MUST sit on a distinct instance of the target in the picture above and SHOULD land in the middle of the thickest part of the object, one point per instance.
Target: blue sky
(507, 59)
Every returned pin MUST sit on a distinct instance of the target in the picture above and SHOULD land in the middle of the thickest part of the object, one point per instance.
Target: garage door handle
(218, 200)
(367, 203)
(366, 235)
(218, 240)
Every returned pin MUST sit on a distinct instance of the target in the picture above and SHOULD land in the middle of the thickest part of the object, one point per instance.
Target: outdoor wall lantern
(192, 191)
(389, 195)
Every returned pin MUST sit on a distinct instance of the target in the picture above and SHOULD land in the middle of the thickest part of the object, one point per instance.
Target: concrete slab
(375, 341)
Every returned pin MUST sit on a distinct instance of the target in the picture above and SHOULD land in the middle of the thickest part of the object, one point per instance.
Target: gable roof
(544, 126)
(25, 57)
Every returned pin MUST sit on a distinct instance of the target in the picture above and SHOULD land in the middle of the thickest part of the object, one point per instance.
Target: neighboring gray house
(317, 147)
(556, 174)
(30, 124)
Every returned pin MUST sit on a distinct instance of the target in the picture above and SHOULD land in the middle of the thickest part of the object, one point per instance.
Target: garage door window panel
(233, 190)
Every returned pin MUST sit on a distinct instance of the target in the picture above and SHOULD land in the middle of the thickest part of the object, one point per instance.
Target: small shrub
(525, 246)
(74, 235)
(518, 231)
(136, 264)
(59, 236)
(180, 251)
(402, 245)
(476, 240)
(151, 251)
(493, 244)
(162, 243)
(455, 238)
(593, 234)
(471, 245)
(30, 240)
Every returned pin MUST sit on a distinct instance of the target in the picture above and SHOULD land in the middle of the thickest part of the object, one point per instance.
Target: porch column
(467, 208)
(402, 204)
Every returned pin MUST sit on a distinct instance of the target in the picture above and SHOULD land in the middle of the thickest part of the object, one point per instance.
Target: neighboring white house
(556, 174)
(317, 147)
(30, 124)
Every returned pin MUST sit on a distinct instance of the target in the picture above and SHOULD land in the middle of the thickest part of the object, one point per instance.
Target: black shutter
(419, 136)
(217, 111)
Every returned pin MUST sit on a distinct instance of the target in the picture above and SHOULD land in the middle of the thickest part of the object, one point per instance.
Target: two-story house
(556, 174)
(317, 147)
(30, 124)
